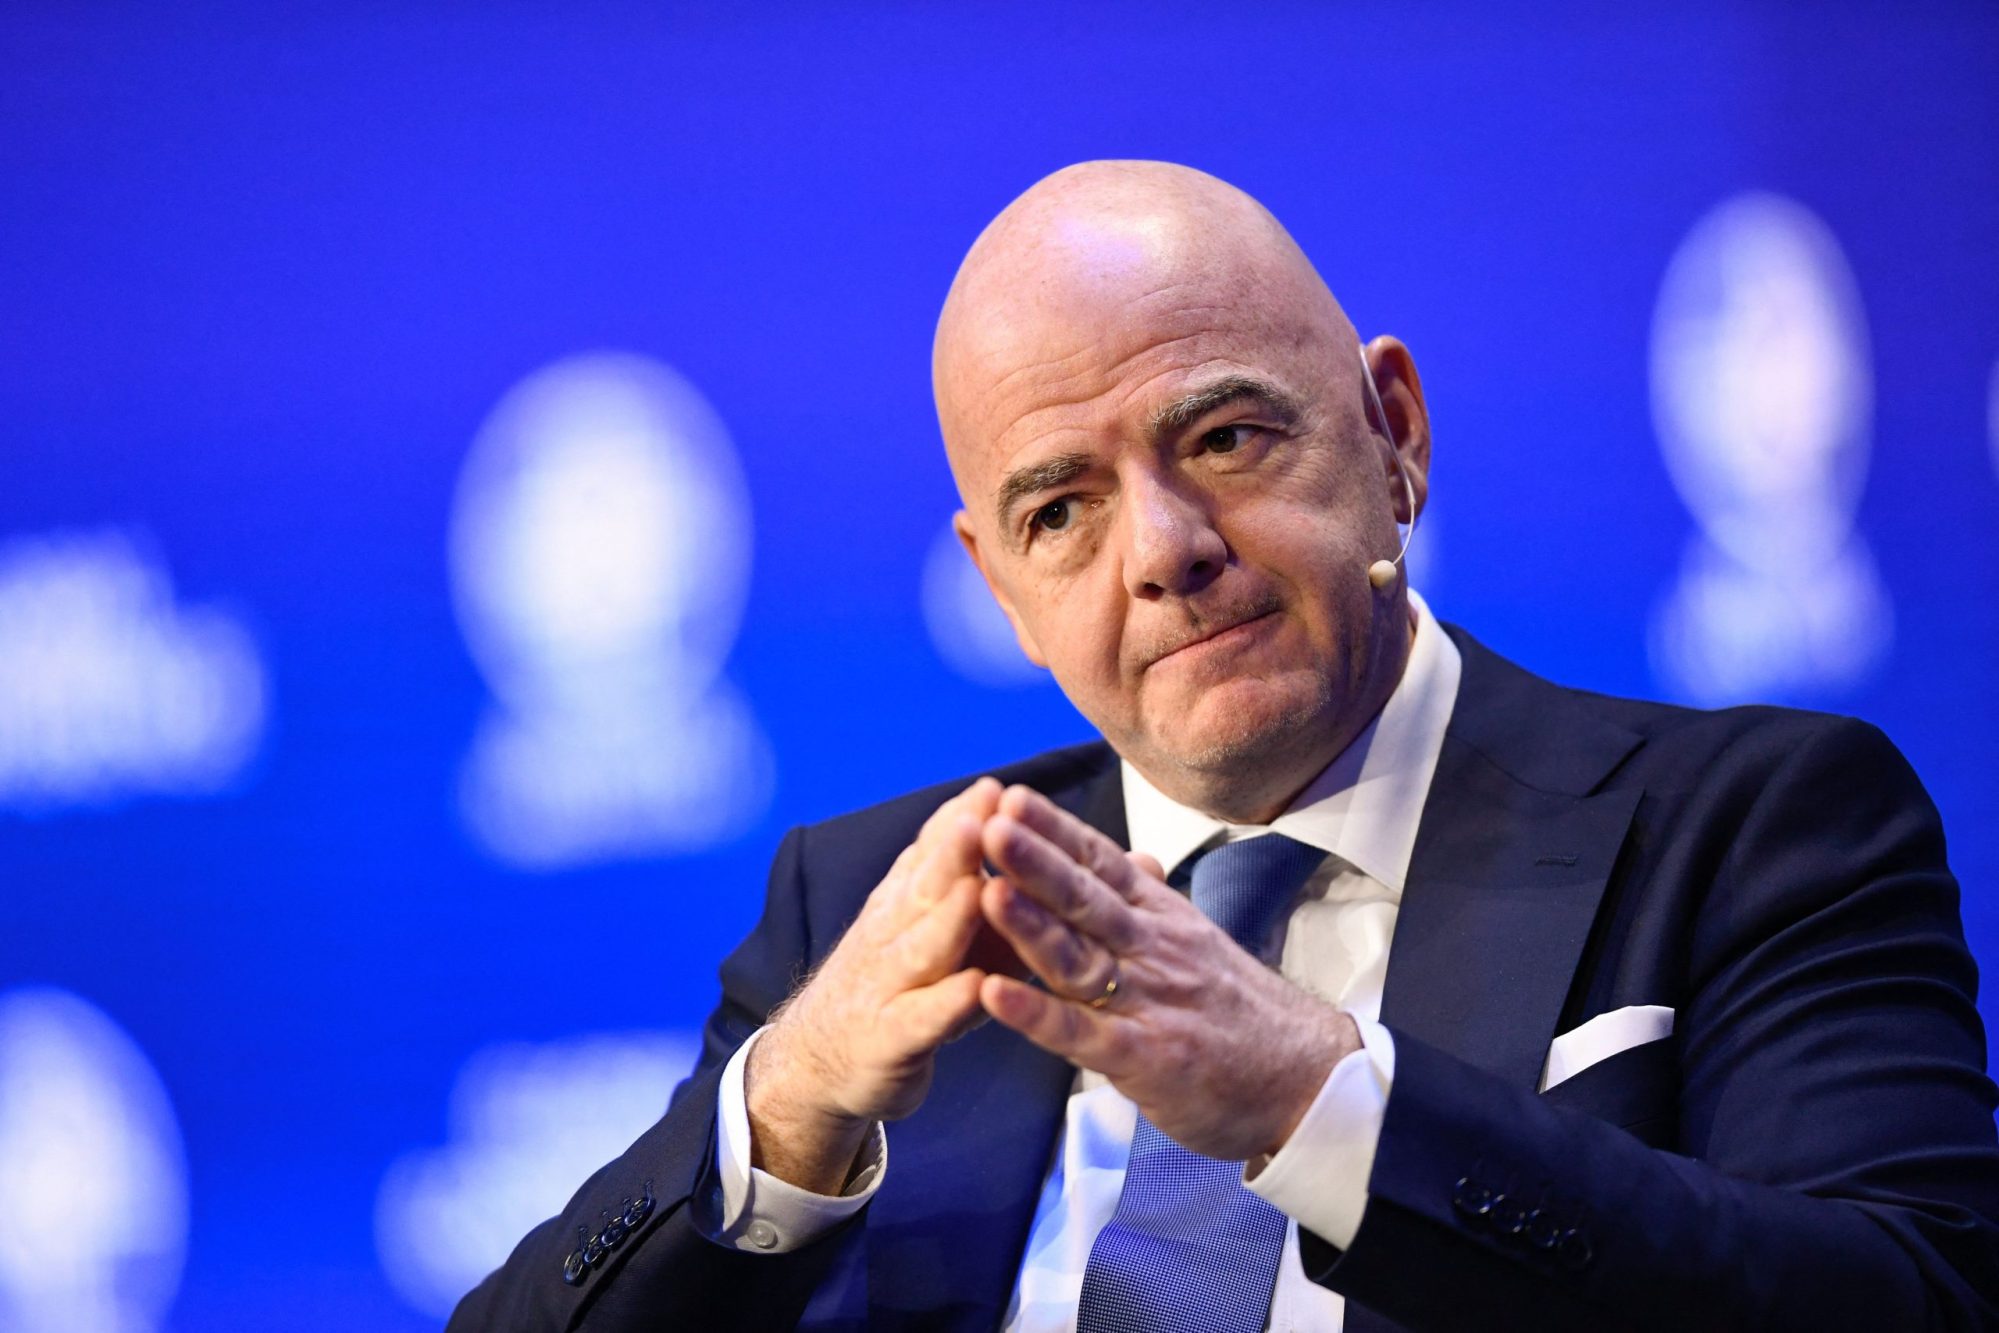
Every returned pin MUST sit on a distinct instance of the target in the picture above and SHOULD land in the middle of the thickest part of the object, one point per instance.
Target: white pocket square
(1602, 1037)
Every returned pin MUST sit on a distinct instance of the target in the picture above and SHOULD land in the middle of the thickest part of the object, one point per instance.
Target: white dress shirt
(1363, 810)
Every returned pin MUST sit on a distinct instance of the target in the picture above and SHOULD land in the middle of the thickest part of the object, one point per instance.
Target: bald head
(1105, 254)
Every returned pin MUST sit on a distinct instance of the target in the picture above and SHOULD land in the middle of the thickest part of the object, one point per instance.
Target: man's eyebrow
(1183, 412)
(1037, 477)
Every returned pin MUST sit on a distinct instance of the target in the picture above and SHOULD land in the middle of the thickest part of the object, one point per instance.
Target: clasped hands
(1218, 1050)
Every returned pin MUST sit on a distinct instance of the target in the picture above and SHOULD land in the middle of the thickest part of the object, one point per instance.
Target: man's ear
(961, 524)
(1401, 391)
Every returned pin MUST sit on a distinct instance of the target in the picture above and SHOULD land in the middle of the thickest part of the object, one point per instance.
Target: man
(1584, 1013)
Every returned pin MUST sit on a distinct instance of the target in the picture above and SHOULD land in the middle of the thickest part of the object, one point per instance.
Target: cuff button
(574, 1268)
(1543, 1231)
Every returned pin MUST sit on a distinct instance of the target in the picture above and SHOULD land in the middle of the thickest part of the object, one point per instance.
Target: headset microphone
(1382, 572)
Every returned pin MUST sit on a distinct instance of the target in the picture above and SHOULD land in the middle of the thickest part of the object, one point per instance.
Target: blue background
(263, 274)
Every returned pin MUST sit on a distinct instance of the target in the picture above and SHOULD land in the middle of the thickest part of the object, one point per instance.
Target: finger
(946, 847)
(953, 854)
(950, 837)
(933, 942)
(1048, 874)
(1148, 888)
(896, 880)
(1067, 962)
(931, 1015)
(979, 800)
(1083, 844)
(1073, 1031)
(888, 905)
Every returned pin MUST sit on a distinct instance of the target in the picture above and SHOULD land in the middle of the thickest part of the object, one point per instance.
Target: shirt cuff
(747, 1208)
(1319, 1176)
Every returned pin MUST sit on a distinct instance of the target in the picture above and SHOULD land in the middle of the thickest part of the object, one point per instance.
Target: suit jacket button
(613, 1232)
(1574, 1249)
(574, 1268)
(593, 1249)
(1509, 1217)
(1471, 1199)
(763, 1235)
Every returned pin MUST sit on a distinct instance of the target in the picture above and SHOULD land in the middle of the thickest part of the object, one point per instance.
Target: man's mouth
(1236, 624)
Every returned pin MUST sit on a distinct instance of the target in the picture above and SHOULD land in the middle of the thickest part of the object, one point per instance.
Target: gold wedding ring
(1110, 989)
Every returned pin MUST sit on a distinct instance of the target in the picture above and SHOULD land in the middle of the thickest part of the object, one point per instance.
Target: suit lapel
(1500, 900)
(944, 1253)
(1511, 859)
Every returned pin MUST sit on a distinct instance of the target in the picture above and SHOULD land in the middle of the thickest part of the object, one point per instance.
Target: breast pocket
(1638, 1090)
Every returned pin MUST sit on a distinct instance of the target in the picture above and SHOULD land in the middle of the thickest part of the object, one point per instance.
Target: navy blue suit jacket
(1812, 1148)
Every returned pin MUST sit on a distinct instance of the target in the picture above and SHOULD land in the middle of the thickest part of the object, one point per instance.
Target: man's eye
(1225, 439)
(1053, 516)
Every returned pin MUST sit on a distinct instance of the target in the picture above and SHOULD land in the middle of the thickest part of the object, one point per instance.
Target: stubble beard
(1255, 757)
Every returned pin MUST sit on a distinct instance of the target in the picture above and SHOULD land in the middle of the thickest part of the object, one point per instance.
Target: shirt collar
(1365, 806)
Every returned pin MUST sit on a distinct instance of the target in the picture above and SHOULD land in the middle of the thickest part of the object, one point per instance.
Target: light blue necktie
(1189, 1250)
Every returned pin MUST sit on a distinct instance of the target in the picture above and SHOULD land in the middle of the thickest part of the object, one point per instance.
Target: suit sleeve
(661, 1272)
(1831, 1163)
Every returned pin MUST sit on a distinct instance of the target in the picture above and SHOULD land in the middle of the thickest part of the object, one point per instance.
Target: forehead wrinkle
(1072, 390)
(1124, 364)
(1149, 343)
(1188, 289)
(1027, 367)
(1127, 395)
(1065, 396)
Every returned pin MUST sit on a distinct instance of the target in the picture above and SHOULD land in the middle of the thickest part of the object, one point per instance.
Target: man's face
(1177, 500)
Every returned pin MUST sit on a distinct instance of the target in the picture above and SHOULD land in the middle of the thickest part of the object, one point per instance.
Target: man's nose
(1171, 545)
